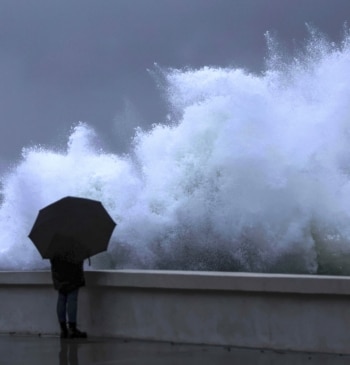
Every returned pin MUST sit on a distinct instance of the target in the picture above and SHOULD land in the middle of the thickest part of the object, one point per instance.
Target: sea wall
(284, 312)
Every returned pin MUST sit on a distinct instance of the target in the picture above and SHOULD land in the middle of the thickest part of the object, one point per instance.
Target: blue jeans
(67, 305)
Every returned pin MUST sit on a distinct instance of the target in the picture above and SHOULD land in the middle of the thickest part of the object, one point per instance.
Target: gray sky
(64, 61)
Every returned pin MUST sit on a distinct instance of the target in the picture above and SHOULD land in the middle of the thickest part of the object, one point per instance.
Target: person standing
(68, 277)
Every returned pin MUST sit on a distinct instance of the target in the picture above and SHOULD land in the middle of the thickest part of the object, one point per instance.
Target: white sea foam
(253, 176)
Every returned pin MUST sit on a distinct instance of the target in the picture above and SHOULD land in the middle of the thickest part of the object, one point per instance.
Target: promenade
(35, 350)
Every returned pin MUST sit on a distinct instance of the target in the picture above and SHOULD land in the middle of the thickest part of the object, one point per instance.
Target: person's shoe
(64, 330)
(73, 332)
(76, 334)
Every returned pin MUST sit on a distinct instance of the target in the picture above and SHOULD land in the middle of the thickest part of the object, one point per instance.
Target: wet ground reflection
(17, 350)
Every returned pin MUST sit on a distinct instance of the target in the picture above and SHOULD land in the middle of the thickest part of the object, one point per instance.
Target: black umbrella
(78, 226)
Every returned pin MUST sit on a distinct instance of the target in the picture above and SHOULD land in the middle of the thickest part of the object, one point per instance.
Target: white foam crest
(258, 161)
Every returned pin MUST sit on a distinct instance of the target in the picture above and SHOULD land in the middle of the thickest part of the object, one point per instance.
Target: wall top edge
(193, 280)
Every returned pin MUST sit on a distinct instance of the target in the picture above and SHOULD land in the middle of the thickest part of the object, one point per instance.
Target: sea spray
(253, 175)
(44, 176)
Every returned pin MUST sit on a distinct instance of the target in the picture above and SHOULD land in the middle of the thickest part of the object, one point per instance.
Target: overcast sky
(64, 61)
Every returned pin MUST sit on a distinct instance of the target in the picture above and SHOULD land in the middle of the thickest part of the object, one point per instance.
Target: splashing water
(254, 176)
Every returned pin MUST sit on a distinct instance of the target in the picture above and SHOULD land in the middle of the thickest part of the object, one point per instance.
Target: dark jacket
(67, 276)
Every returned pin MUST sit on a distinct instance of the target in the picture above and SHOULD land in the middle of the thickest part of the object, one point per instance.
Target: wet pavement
(30, 350)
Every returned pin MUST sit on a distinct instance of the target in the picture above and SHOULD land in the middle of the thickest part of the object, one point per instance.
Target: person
(68, 276)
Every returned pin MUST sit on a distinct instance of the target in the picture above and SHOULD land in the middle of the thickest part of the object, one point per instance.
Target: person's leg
(61, 313)
(61, 307)
(72, 308)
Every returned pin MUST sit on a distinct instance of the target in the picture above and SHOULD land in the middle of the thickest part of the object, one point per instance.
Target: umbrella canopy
(72, 225)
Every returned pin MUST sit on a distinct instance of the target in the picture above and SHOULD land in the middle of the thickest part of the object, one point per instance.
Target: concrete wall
(286, 312)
